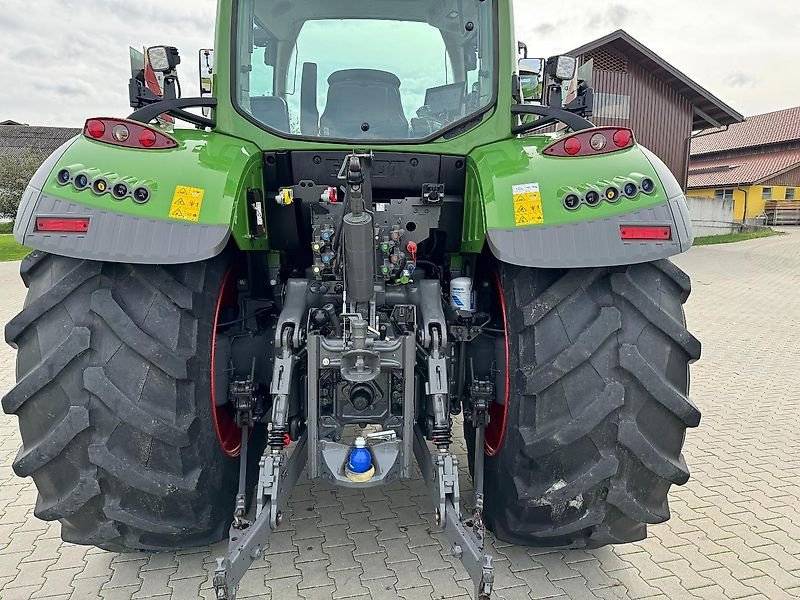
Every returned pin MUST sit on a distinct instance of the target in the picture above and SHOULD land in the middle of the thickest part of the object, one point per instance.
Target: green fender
(514, 203)
(197, 198)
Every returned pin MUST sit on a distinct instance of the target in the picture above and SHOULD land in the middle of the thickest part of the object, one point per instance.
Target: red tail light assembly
(592, 142)
(62, 225)
(127, 134)
(653, 233)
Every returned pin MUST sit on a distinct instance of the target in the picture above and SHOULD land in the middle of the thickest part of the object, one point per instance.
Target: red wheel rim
(498, 413)
(228, 434)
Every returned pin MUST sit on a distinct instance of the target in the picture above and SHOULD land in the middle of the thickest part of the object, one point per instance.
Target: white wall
(710, 216)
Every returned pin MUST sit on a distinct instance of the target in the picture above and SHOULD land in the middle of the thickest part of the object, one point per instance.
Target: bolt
(438, 518)
(279, 519)
(326, 362)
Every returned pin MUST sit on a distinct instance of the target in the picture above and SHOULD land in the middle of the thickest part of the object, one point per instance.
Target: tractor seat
(364, 96)
(272, 111)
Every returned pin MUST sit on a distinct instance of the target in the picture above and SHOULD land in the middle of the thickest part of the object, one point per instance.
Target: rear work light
(592, 142)
(655, 233)
(127, 134)
(62, 224)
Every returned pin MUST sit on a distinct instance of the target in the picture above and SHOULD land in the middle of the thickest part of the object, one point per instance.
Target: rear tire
(114, 405)
(598, 404)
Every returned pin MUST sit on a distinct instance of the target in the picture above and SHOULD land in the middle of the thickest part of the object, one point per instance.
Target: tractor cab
(388, 70)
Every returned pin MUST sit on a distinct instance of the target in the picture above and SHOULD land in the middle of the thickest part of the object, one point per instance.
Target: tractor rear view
(370, 230)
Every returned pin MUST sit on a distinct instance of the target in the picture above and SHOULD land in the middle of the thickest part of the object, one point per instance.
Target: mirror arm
(174, 107)
(583, 104)
(550, 115)
(140, 95)
(516, 88)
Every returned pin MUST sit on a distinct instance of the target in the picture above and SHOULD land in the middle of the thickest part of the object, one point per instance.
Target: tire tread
(567, 477)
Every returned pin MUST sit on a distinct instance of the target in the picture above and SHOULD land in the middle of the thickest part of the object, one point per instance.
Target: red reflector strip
(62, 225)
(630, 232)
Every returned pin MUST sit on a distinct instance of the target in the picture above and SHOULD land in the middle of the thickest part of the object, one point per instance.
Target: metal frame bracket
(278, 475)
(440, 471)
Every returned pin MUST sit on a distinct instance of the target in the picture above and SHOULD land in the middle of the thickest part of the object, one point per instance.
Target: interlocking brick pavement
(734, 533)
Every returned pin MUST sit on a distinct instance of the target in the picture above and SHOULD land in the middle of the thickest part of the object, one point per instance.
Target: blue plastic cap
(360, 461)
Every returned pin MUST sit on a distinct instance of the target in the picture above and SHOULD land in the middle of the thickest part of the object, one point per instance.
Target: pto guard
(587, 237)
(208, 171)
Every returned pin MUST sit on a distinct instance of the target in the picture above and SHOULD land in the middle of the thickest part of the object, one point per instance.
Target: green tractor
(368, 231)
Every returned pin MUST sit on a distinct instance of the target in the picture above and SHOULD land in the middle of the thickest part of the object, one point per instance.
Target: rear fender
(197, 198)
(514, 203)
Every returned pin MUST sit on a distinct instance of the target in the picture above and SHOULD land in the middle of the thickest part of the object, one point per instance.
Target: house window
(723, 195)
(612, 106)
(766, 193)
(790, 193)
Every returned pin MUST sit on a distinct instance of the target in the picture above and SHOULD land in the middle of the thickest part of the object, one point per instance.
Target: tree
(15, 173)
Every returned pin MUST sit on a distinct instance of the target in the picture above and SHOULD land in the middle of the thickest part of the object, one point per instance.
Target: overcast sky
(64, 60)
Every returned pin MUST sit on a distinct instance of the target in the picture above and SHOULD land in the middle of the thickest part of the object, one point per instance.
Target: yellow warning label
(186, 203)
(528, 205)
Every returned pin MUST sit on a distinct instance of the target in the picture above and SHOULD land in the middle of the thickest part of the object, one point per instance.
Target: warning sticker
(528, 205)
(186, 203)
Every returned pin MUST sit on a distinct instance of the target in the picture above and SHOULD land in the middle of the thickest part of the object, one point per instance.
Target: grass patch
(730, 238)
(6, 227)
(11, 250)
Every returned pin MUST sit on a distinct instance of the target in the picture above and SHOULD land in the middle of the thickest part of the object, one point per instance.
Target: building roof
(748, 169)
(777, 127)
(16, 140)
(709, 111)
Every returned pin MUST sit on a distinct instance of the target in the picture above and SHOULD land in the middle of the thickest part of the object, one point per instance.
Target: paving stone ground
(734, 533)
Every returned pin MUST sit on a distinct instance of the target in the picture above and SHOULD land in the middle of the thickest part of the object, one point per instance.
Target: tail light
(656, 233)
(62, 224)
(127, 134)
(592, 142)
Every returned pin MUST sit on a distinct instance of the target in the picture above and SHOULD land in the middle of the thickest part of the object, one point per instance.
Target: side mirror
(206, 71)
(206, 76)
(532, 88)
(561, 68)
(163, 59)
(530, 79)
(531, 65)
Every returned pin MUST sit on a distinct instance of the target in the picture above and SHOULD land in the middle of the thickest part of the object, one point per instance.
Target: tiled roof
(19, 139)
(740, 170)
(770, 128)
